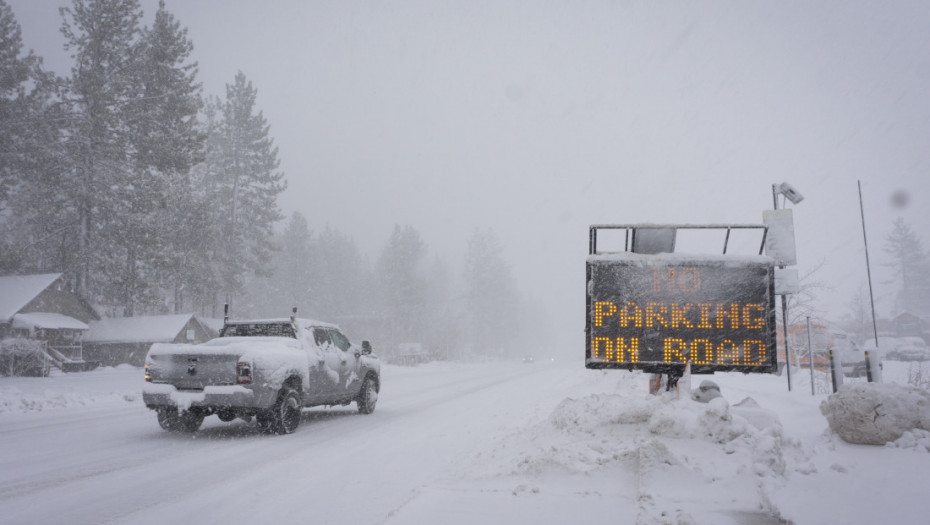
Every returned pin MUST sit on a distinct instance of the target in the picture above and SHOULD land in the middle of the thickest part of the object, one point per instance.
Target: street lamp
(788, 191)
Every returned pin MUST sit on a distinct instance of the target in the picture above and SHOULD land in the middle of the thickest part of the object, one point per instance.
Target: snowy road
(457, 444)
(115, 465)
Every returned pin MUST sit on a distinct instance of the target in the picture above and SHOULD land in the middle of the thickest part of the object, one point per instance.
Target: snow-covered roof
(17, 290)
(152, 328)
(213, 323)
(47, 320)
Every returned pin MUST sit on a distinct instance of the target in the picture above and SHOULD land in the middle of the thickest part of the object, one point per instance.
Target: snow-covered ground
(547, 443)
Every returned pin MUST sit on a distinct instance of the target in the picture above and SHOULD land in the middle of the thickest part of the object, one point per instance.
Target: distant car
(910, 349)
(528, 360)
(885, 350)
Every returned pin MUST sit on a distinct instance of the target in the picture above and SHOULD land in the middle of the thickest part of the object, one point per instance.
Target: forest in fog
(154, 197)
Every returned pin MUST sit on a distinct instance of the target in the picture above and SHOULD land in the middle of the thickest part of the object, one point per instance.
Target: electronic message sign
(657, 312)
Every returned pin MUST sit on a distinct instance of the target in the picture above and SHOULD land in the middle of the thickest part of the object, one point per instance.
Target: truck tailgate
(190, 368)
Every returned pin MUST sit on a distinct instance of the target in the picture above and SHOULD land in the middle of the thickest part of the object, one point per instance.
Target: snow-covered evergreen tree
(492, 302)
(911, 267)
(339, 277)
(33, 221)
(400, 274)
(167, 142)
(14, 73)
(102, 38)
(248, 183)
(289, 285)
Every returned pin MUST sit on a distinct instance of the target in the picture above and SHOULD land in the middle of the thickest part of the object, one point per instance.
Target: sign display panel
(656, 313)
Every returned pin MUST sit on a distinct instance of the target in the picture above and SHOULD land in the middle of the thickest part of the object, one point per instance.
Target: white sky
(540, 118)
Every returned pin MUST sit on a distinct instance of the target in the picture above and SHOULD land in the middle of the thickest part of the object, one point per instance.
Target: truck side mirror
(366, 348)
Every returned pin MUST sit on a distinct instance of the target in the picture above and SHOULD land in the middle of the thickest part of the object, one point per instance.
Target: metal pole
(784, 310)
(868, 270)
(810, 352)
(868, 366)
(784, 326)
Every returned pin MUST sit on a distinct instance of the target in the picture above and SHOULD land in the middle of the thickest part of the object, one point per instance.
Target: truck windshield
(258, 330)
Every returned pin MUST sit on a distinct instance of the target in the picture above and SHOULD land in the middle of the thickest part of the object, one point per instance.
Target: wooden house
(128, 339)
(43, 307)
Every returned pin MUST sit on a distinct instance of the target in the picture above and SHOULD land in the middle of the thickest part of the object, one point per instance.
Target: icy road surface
(450, 443)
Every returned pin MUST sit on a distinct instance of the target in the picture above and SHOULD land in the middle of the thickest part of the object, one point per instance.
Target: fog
(541, 118)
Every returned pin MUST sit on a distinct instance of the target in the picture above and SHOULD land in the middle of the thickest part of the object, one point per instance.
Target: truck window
(259, 330)
(321, 337)
(341, 341)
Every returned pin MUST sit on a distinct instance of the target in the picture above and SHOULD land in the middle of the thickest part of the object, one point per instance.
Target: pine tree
(289, 286)
(339, 276)
(442, 316)
(492, 302)
(248, 183)
(14, 74)
(101, 35)
(32, 221)
(911, 267)
(197, 243)
(403, 287)
(166, 143)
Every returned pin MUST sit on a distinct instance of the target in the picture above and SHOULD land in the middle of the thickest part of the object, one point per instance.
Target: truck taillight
(243, 372)
(148, 374)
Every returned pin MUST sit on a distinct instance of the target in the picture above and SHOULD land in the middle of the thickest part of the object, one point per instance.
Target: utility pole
(868, 271)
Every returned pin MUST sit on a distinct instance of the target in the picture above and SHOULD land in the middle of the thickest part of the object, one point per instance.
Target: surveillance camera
(790, 192)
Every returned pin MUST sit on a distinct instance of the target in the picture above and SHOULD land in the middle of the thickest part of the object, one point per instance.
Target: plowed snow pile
(680, 455)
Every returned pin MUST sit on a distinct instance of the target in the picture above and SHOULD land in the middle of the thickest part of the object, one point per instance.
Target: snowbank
(698, 455)
(876, 414)
(106, 386)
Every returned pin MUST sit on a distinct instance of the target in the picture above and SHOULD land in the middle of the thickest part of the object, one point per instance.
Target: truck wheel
(368, 396)
(285, 414)
(169, 419)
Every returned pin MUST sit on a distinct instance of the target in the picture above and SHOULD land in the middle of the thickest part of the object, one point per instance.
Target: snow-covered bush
(876, 414)
(23, 357)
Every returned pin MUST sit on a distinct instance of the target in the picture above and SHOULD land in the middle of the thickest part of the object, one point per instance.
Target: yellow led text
(702, 316)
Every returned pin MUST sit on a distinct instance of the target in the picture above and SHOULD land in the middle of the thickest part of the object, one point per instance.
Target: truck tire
(169, 419)
(367, 396)
(285, 413)
(226, 415)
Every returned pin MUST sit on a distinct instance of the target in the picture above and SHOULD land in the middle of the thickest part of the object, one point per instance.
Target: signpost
(657, 312)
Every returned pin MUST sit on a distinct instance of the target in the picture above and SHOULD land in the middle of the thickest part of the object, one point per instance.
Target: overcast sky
(539, 118)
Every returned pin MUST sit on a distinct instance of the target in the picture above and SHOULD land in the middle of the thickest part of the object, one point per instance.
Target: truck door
(324, 368)
(349, 381)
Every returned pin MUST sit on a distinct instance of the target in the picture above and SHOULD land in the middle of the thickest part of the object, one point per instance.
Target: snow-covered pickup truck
(267, 369)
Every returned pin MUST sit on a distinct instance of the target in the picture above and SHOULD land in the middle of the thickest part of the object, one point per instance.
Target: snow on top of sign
(152, 328)
(665, 259)
(17, 290)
